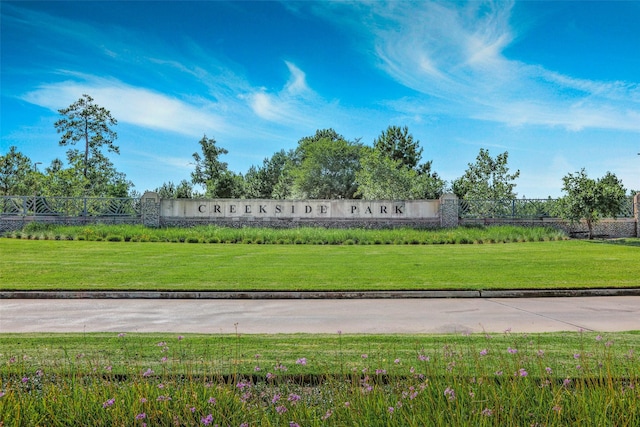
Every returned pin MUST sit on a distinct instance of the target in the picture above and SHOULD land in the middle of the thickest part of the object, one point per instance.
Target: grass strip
(294, 380)
(90, 265)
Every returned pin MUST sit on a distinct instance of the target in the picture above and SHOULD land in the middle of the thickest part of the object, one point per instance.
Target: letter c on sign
(201, 208)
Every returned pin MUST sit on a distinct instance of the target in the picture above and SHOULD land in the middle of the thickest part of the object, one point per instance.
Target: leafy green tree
(487, 179)
(17, 174)
(590, 199)
(392, 169)
(168, 190)
(230, 185)
(381, 177)
(209, 171)
(86, 122)
(398, 144)
(59, 181)
(261, 181)
(325, 166)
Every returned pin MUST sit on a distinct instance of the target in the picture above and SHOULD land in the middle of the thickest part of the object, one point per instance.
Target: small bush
(192, 240)
(114, 238)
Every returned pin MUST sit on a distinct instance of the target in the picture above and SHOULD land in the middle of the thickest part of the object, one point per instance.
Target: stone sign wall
(298, 209)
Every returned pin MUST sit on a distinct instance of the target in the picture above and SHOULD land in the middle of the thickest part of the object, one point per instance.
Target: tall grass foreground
(479, 380)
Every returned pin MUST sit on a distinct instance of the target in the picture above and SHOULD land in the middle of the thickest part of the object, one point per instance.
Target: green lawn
(90, 265)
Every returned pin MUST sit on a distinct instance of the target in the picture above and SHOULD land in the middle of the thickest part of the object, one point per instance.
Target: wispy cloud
(290, 105)
(453, 56)
(133, 105)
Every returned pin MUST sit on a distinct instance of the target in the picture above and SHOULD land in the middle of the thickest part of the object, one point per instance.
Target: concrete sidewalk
(506, 293)
(362, 315)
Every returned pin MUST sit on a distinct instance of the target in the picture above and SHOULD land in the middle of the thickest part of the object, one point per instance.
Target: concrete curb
(508, 293)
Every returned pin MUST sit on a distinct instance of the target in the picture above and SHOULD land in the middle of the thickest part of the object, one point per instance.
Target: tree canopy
(590, 199)
(16, 173)
(487, 179)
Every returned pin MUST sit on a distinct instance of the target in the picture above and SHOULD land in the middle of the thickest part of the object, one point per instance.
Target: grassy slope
(73, 265)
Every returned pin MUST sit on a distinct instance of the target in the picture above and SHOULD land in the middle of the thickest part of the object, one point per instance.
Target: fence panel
(69, 206)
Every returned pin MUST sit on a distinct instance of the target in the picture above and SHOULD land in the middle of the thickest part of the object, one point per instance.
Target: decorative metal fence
(522, 208)
(69, 206)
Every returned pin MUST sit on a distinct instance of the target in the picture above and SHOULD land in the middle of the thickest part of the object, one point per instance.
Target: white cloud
(134, 105)
(294, 104)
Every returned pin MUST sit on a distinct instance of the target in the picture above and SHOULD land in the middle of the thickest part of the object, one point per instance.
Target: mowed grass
(103, 265)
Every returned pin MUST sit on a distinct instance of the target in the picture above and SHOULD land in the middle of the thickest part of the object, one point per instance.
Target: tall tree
(382, 178)
(16, 174)
(487, 179)
(86, 122)
(591, 199)
(392, 169)
(326, 166)
(213, 174)
(168, 190)
(260, 181)
(398, 144)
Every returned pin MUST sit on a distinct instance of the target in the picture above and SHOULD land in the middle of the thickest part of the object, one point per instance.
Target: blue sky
(556, 84)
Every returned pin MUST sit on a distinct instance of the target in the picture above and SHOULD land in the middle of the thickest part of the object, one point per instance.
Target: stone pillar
(636, 213)
(448, 210)
(150, 209)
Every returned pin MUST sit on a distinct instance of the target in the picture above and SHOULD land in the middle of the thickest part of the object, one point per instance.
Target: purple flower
(180, 337)
(294, 398)
(487, 412)
(512, 350)
(275, 399)
(207, 420)
(549, 370)
(302, 361)
(327, 415)
(576, 355)
(391, 409)
(522, 372)
(281, 409)
(143, 400)
(484, 352)
(121, 335)
(364, 356)
(381, 371)
(147, 373)
(25, 379)
(212, 400)
(396, 361)
(292, 424)
(108, 403)
(243, 384)
(449, 393)
(141, 416)
(566, 382)
(423, 358)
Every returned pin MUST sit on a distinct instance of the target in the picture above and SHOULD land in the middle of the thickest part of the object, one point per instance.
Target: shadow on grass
(622, 242)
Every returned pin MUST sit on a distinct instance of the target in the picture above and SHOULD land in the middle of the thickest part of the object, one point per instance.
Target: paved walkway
(250, 316)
